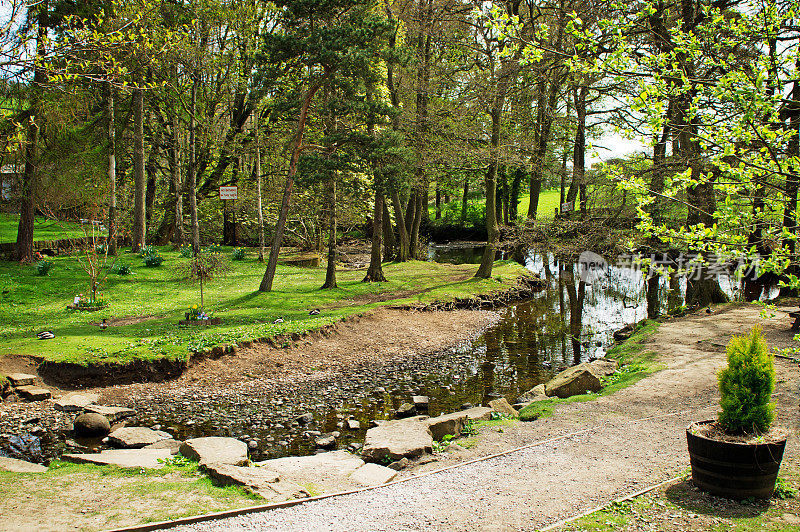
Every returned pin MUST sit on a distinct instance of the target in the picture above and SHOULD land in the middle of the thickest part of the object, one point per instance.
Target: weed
(784, 490)
(120, 269)
(43, 267)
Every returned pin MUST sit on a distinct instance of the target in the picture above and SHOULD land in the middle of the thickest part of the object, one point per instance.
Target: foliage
(95, 301)
(152, 260)
(746, 385)
(784, 490)
(147, 251)
(43, 267)
(186, 252)
(119, 268)
(196, 312)
(238, 254)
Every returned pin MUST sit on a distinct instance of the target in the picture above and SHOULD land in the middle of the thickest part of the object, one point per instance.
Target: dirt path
(624, 442)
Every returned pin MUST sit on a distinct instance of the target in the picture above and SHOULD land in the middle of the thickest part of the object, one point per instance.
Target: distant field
(548, 201)
(43, 229)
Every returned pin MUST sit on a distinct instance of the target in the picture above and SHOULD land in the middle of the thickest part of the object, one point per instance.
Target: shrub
(237, 254)
(186, 252)
(43, 267)
(213, 249)
(121, 269)
(746, 385)
(151, 261)
(147, 251)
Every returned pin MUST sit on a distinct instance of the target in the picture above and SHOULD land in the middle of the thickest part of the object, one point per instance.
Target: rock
(420, 401)
(75, 402)
(113, 413)
(215, 450)
(624, 333)
(373, 475)
(466, 406)
(20, 466)
(91, 425)
(325, 442)
(573, 381)
(33, 393)
(441, 426)
(305, 419)
(136, 458)
(397, 439)
(502, 406)
(399, 464)
(478, 413)
(405, 410)
(603, 367)
(353, 424)
(260, 480)
(135, 437)
(174, 446)
(21, 379)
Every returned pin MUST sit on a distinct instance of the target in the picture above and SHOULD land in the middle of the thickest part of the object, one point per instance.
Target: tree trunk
(438, 202)
(402, 233)
(111, 150)
(375, 270)
(140, 184)
(513, 201)
(464, 200)
(330, 272)
(258, 187)
(492, 230)
(177, 182)
(414, 247)
(150, 189)
(388, 234)
(191, 184)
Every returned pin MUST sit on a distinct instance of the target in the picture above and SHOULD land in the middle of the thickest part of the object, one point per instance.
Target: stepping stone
(113, 413)
(420, 401)
(21, 379)
(174, 446)
(20, 466)
(396, 439)
(259, 480)
(135, 437)
(353, 424)
(136, 458)
(75, 401)
(503, 407)
(215, 450)
(33, 393)
(373, 475)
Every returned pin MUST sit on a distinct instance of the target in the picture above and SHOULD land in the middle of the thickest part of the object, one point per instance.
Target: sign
(565, 207)
(228, 193)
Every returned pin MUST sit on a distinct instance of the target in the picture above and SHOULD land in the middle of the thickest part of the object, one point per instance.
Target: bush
(101, 249)
(151, 261)
(186, 252)
(746, 385)
(213, 249)
(43, 267)
(238, 254)
(147, 251)
(121, 269)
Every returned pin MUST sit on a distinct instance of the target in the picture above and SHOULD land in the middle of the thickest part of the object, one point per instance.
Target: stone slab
(478, 413)
(501, 406)
(113, 413)
(216, 450)
(266, 483)
(397, 439)
(21, 379)
(75, 401)
(174, 446)
(135, 437)
(373, 475)
(443, 425)
(33, 393)
(20, 466)
(135, 458)
(576, 380)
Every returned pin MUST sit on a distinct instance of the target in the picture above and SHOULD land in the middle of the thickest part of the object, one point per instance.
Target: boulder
(33, 393)
(91, 425)
(420, 402)
(258, 480)
(373, 475)
(537, 393)
(75, 402)
(405, 410)
(135, 437)
(174, 446)
(113, 413)
(215, 450)
(21, 379)
(353, 424)
(399, 464)
(305, 418)
(603, 367)
(501, 406)
(441, 426)
(624, 333)
(397, 439)
(573, 381)
(135, 458)
(478, 413)
(20, 466)
(326, 441)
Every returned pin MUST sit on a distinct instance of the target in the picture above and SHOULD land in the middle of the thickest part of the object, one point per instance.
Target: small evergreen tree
(746, 385)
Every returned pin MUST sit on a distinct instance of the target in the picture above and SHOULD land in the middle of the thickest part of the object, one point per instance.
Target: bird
(46, 335)
(277, 321)
(103, 325)
(314, 312)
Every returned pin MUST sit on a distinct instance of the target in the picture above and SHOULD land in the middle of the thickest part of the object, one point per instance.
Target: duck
(277, 321)
(46, 335)
(104, 325)
(314, 312)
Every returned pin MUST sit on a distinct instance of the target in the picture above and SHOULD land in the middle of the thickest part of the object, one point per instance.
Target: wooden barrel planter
(733, 470)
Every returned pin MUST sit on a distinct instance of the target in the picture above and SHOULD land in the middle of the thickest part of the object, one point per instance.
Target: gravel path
(636, 438)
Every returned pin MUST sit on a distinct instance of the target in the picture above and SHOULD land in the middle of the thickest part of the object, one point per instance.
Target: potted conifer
(738, 455)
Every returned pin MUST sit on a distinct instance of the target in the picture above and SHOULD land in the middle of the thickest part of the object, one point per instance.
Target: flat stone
(353, 424)
(134, 437)
(478, 413)
(373, 475)
(501, 406)
(91, 424)
(174, 446)
(441, 426)
(33, 393)
(537, 393)
(406, 410)
(576, 380)
(603, 367)
(326, 441)
(113, 413)
(21, 379)
(397, 439)
(137, 458)
(216, 450)
(420, 401)
(20, 466)
(399, 464)
(259, 480)
(75, 401)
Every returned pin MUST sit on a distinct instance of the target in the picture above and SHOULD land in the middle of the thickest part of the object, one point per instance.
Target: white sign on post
(566, 207)
(228, 193)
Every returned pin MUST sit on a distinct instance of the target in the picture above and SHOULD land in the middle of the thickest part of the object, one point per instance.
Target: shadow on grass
(685, 495)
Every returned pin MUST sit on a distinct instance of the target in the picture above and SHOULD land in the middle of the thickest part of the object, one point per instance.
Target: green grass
(634, 365)
(30, 303)
(548, 201)
(43, 229)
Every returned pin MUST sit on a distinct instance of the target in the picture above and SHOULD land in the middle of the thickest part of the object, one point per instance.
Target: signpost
(232, 194)
(566, 206)
(229, 193)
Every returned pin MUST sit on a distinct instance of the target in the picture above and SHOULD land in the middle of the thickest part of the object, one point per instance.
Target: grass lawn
(160, 296)
(43, 229)
(548, 201)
